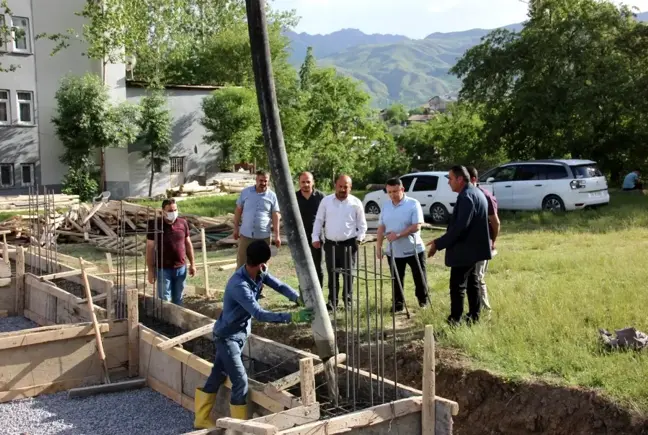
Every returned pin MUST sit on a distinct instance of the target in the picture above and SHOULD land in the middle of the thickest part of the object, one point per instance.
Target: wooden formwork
(40, 360)
(175, 373)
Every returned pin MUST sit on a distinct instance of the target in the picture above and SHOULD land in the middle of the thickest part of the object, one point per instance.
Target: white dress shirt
(342, 220)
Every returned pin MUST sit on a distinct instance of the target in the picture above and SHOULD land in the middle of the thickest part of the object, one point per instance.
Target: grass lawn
(556, 280)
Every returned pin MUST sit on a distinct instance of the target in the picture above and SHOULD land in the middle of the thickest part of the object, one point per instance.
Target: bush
(80, 182)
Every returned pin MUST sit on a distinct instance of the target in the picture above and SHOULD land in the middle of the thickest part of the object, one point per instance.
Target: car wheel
(439, 213)
(372, 208)
(553, 204)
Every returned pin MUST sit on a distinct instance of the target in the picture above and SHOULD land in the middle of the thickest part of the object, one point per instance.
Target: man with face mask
(240, 304)
(168, 245)
(341, 216)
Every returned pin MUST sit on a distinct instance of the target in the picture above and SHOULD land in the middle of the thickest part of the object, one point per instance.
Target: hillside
(394, 68)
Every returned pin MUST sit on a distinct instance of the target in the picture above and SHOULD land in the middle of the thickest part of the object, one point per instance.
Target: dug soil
(488, 404)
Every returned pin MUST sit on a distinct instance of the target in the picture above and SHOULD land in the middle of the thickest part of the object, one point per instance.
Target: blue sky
(413, 18)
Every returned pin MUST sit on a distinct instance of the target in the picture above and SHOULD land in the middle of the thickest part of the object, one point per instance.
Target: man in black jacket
(467, 241)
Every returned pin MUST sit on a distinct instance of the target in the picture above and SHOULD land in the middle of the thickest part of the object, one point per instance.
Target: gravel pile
(11, 324)
(139, 412)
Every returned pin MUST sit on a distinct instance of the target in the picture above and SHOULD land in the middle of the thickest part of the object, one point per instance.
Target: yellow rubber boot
(203, 403)
(239, 411)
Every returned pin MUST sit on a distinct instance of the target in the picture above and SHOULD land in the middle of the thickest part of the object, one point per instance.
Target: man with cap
(240, 304)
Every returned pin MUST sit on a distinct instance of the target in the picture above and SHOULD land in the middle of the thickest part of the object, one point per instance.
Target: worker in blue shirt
(632, 181)
(233, 327)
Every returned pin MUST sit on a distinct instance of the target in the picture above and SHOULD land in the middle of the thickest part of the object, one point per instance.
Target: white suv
(431, 189)
(555, 185)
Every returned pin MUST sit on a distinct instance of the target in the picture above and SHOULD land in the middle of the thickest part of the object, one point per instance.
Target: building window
(20, 34)
(25, 107)
(4, 107)
(27, 174)
(6, 175)
(177, 165)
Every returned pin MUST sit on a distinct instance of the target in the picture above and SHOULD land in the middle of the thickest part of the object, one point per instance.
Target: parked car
(431, 189)
(554, 185)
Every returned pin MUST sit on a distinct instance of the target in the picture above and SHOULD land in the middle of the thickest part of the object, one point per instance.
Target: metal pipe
(278, 159)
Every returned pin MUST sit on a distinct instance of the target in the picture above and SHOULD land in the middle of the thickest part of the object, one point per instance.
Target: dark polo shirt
(169, 242)
(308, 210)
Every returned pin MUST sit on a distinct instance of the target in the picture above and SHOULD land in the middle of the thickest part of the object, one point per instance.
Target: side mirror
(490, 180)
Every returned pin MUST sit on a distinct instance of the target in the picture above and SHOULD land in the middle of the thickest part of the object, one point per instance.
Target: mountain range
(394, 68)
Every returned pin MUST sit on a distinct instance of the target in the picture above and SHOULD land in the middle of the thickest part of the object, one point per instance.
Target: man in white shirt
(345, 224)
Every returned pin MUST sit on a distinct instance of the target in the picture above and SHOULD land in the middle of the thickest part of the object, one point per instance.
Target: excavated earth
(488, 404)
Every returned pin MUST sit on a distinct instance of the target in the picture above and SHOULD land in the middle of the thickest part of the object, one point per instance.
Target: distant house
(419, 118)
(439, 104)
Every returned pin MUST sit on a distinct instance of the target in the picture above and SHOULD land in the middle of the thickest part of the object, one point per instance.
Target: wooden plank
(110, 302)
(428, 416)
(31, 338)
(247, 427)
(294, 378)
(187, 336)
(67, 273)
(230, 266)
(98, 298)
(20, 280)
(133, 332)
(204, 367)
(94, 210)
(109, 262)
(204, 259)
(307, 374)
(178, 397)
(51, 289)
(59, 360)
(48, 388)
(362, 419)
(34, 317)
(95, 324)
(103, 226)
(292, 417)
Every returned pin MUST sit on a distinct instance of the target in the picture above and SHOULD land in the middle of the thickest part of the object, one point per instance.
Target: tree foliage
(570, 83)
(86, 121)
(155, 125)
(396, 114)
(232, 122)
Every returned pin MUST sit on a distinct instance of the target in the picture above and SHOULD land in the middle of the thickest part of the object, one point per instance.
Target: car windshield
(586, 171)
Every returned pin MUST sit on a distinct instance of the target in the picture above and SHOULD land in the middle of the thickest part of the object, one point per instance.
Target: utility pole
(280, 170)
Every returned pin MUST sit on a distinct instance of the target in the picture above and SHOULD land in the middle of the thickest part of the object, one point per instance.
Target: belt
(341, 242)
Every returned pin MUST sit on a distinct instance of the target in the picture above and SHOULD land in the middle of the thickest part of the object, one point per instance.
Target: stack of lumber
(21, 202)
(234, 185)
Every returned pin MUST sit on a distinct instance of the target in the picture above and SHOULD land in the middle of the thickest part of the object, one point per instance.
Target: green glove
(302, 316)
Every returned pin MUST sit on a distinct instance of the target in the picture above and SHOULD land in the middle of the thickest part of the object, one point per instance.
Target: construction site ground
(535, 363)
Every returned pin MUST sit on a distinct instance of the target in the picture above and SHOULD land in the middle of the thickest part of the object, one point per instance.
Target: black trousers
(317, 259)
(464, 280)
(418, 273)
(341, 256)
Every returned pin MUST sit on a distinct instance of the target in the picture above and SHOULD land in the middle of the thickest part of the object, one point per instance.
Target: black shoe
(452, 321)
(397, 309)
(423, 304)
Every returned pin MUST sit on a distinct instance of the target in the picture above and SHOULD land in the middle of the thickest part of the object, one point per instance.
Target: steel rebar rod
(369, 324)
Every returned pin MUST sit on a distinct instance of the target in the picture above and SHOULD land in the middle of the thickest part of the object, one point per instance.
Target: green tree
(155, 124)
(396, 114)
(86, 121)
(307, 69)
(233, 123)
(340, 127)
(566, 85)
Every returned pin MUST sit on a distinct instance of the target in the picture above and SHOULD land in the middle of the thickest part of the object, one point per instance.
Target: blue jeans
(171, 284)
(228, 362)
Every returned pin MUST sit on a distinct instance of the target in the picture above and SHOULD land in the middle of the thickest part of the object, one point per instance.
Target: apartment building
(29, 148)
